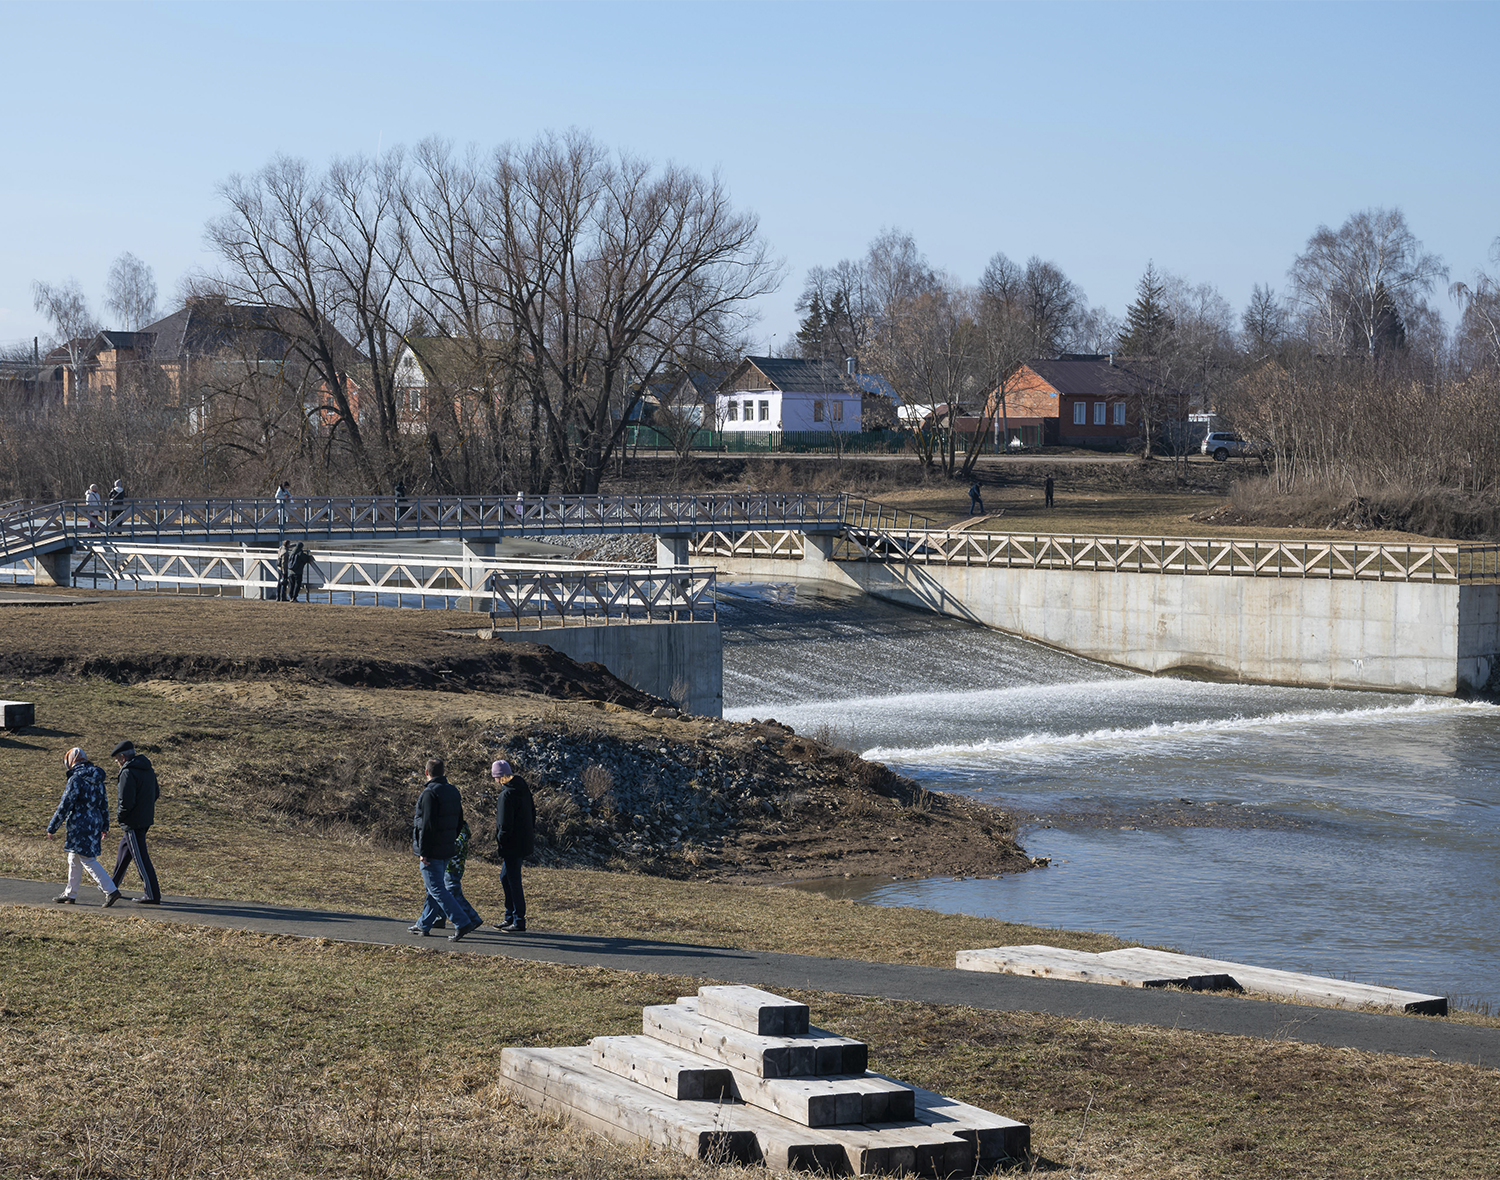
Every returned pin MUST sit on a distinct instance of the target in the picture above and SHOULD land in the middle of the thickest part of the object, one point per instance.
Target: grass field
(145, 1050)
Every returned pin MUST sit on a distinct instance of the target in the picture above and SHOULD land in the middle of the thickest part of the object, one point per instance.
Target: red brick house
(1089, 400)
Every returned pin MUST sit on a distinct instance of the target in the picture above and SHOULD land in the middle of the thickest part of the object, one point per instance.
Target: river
(1343, 833)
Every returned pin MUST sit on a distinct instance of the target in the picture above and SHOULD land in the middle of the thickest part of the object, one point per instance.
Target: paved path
(1403, 1035)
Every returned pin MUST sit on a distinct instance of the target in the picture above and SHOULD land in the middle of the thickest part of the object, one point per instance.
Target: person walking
(297, 568)
(92, 505)
(116, 499)
(283, 570)
(1047, 489)
(434, 838)
(515, 834)
(135, 811)
(453, 877)
(520, 505)
(976, 504)
(85, 806)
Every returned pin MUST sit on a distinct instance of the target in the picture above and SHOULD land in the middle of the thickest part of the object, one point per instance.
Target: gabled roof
(1085, 376)
(108, 339)
(206, 326)
(793, 374)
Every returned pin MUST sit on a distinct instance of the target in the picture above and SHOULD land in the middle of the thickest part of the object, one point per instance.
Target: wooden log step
(828, 1101)
(662, 1067)
(1293, 985)
(1050, 962)
(623, 1110)
(753, 1010)
(994, 1136)
(815, 1054)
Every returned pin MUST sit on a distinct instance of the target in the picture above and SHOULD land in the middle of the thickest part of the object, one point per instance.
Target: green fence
(852, 442)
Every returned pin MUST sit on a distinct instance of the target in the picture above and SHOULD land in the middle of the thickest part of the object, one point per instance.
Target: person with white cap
(515, 833)
(116, 498)
(92, 504)
(85, 805)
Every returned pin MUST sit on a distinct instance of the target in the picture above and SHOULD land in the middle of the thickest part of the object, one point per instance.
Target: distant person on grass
(434, 838)
(85, 805)
(135, 811)
(283, 571)
(297, 569)
(976, 504)
(1047, 489)
(515, 833)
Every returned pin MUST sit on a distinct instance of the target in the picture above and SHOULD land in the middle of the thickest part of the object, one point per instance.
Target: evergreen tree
(1147, 322)
(812, 336)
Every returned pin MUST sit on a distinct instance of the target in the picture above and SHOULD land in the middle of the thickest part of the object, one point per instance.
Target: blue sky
(1212, 138)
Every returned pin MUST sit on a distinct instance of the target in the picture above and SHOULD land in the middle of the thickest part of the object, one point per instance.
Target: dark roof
(704, 381)
(206, 326)
(1093, 376)
(795, 375)
(117, 340)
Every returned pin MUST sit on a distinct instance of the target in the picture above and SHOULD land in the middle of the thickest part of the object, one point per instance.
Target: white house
(772, 394)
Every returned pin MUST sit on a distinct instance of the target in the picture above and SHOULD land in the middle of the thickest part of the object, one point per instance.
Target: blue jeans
(515, 896)
(440, 900)
(431, 912)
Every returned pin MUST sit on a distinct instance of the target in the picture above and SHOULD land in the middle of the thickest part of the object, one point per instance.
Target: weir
(1329, 615)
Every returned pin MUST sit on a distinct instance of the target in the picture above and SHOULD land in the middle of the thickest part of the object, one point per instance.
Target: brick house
(1080, 400)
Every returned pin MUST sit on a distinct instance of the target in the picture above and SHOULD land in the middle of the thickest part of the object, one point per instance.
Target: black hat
(121, 748)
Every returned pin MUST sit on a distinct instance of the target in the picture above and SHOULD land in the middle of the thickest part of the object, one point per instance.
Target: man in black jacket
(515, 832)
(434, 836)
(135, 812)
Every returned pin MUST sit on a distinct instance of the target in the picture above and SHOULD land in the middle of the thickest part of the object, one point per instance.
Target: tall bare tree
(1348, 283)
(1479, 329)
(73, 324)
(130, 292)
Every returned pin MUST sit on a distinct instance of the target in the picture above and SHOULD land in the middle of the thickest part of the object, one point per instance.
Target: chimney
(849, 365)
(1111, 360)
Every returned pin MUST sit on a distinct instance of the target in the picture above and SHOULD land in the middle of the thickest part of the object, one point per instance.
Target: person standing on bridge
(520, 505)
(116, 498)
(283, 503)
(85, 805)
(135, 811)
(92, 505)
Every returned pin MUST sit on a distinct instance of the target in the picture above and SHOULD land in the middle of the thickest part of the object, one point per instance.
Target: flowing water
(1344, 833)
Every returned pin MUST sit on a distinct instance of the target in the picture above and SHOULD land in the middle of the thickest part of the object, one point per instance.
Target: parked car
(1221, 444)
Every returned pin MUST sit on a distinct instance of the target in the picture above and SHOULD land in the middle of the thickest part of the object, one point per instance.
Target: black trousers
(133, 848)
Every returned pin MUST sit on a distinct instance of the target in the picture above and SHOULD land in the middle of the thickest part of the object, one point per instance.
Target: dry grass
(140, 1049)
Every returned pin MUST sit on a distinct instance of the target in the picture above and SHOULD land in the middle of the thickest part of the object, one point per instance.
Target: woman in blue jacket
(85, 806)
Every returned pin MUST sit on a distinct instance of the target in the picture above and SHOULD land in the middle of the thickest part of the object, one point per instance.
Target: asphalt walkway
(1408, 1036)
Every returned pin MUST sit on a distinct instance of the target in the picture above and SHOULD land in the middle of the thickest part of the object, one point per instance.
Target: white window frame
(1080, 413)
(732, 409)
(1119, 413)
(835, 410)
(765, 411)
(1099, 413)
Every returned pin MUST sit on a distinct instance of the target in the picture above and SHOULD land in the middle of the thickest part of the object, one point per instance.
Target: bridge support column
(250, 573)
(672, 550)
(55, 568)
(476, 554)
(817, 557)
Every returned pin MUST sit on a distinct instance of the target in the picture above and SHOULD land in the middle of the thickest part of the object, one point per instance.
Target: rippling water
(1358, 833)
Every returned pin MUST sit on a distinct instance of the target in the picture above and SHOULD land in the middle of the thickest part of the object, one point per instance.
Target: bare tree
(1263, 324)
(1040, 295)
(1479, 329)
(130, 292)
(73, 324)
(1350, 282)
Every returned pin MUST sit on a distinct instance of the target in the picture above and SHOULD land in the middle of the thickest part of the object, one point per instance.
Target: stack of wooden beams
(737, 1073)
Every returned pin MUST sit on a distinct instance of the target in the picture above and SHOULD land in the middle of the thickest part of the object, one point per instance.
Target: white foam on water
(1115, 737)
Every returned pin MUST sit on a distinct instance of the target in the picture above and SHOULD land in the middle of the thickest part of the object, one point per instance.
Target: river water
(1343, 833)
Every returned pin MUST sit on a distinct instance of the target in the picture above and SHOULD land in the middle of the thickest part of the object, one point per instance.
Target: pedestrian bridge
(44, 535)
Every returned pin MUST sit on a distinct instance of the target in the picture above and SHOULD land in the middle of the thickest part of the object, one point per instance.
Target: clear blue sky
(1212, 138)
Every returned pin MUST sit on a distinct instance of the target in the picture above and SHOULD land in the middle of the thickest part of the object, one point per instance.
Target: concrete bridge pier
(54, 568)
(673, 550)
(476, 553)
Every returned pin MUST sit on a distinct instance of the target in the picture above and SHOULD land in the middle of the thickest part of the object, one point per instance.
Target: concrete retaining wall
(1397, 636)
(682, 662)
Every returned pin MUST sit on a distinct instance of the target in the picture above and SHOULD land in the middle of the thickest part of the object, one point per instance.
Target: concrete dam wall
(1395, 635)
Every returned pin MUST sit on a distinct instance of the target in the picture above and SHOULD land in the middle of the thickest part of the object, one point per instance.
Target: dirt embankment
(319, 714)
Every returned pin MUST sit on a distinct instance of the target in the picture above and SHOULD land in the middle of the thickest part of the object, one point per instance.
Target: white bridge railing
(516, 594)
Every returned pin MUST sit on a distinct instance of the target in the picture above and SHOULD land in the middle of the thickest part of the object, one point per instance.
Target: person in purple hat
(515, 833)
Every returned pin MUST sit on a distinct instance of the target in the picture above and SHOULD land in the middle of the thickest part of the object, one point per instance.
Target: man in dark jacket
(515, 832)
(135, 812)
(434, 838)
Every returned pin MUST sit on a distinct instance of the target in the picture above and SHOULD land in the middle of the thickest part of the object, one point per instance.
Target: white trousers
(77, 862)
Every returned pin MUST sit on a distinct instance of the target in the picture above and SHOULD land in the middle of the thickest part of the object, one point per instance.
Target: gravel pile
(600, 799)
